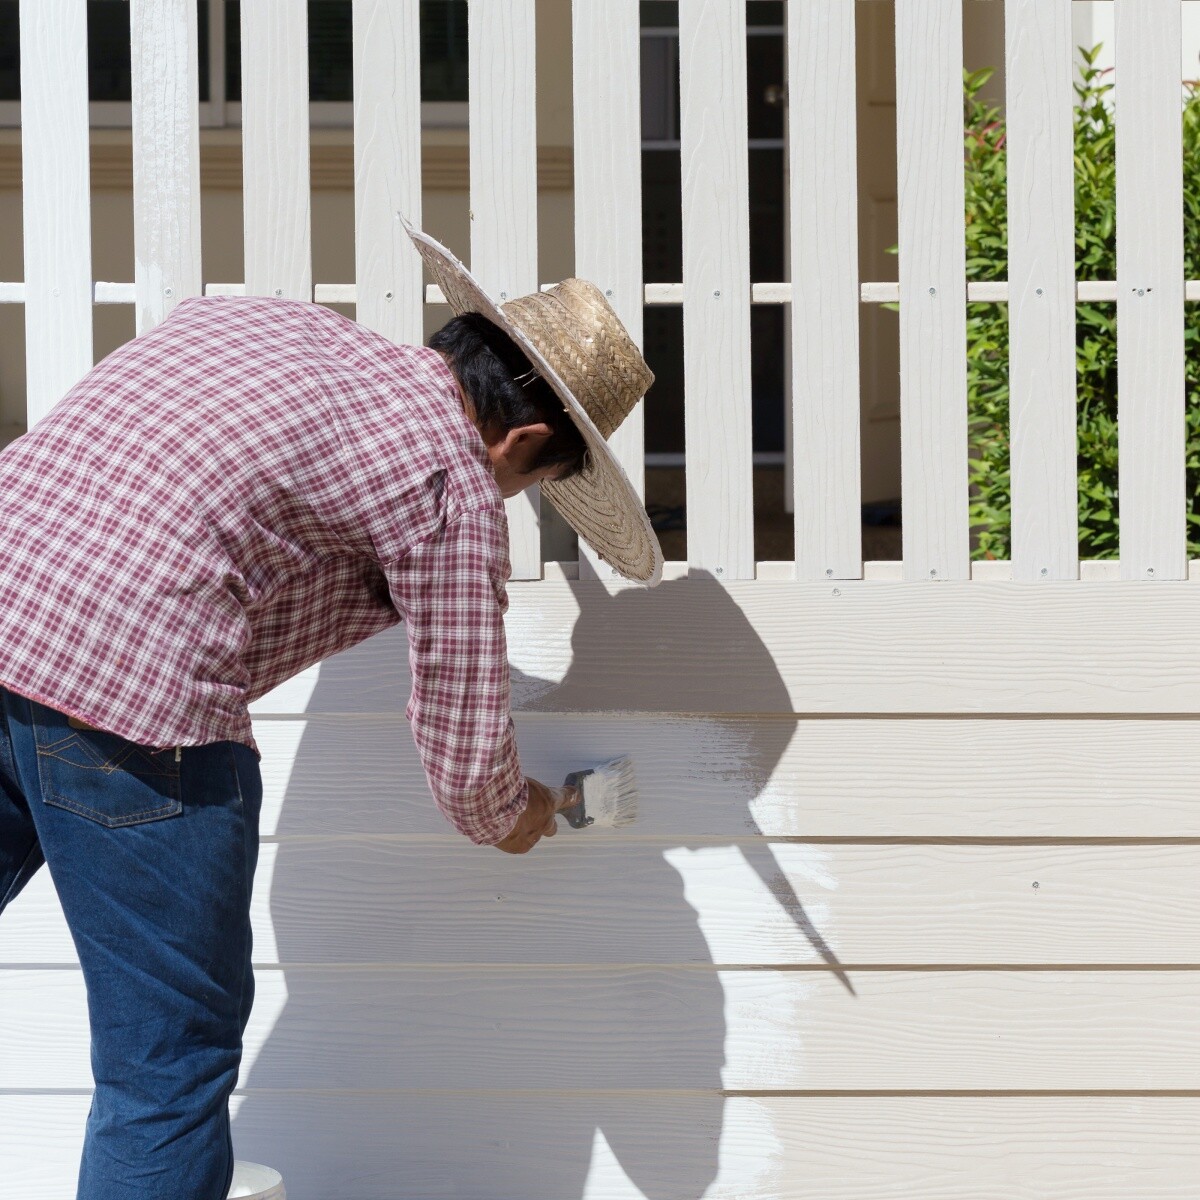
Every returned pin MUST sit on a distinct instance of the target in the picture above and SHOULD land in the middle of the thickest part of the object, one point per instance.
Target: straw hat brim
(599, 503)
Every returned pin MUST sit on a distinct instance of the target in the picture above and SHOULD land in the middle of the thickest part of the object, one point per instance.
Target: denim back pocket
(102, 776)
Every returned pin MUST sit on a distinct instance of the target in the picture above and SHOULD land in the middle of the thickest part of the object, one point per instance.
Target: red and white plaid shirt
(249, 488)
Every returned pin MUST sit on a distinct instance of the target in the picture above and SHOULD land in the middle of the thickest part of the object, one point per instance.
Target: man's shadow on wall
(537, 1056)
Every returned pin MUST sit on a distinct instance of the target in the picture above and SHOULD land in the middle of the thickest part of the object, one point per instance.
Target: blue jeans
(153, 856)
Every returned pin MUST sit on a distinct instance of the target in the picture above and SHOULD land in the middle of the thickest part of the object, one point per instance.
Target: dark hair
(488, 363)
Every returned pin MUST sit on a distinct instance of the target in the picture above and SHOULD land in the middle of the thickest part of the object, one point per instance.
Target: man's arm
(450, 591)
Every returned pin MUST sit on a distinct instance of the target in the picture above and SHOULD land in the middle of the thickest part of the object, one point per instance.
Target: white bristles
(610, 795)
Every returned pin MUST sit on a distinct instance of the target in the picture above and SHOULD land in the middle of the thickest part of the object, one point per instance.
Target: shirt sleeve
(450, 591)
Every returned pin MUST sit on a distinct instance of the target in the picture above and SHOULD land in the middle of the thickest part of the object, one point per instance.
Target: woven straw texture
(577, 342)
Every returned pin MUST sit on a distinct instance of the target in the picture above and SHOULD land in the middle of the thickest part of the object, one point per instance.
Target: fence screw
(503, 295)
(608, 291)
(279, 291)
(1040, 292)
(933, 291)
(1140, 291)
(1045, 571)
(837, 591)
(168, 292)
(387, 295)
(717, 294)
(1149, 570)
(720, 570)
(829, 572)
(932, 573)
(1035, 883)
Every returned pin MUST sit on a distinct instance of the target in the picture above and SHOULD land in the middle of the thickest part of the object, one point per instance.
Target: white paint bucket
(252, 1182)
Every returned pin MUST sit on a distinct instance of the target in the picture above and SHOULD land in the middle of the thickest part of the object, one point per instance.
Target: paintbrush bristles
(610, 793)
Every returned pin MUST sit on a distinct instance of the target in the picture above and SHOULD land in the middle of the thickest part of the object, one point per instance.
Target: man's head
(528, 433)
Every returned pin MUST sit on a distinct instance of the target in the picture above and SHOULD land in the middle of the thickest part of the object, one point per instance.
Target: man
(242, 491)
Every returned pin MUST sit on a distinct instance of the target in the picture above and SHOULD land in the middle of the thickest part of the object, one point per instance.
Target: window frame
(219, 113)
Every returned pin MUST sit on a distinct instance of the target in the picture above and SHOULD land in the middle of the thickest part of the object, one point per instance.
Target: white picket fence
(973, 802)
(825, 291)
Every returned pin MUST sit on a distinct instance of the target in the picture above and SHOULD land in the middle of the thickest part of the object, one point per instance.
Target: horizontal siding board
(542, 1147)
(366, 901)
(659, 1028)
(858, 647)
(742, 777)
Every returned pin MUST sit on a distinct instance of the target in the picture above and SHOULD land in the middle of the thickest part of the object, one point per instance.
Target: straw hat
(577, 343)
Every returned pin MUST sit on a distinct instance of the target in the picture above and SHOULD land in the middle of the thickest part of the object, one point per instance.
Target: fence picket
(825, 301)
(387, 166)
(166, 156)
(716, 287)
(608, 190)
(275, 149)
(57, 199)
(933, 318)
(1041, 254)
(1150, 289)
(502, 114)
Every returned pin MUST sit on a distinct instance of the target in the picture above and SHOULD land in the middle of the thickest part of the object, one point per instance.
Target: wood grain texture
(823, 182)
(740, 778)
(503, 123)
(387, 171)
(278, 221)
(370, 901)
(1150, 349)
(716, 286)
(860, 647)
(56, 201)
(1041, 253)
(166, 157)
(556, 1145)
(654, 1028)
(608, 191)
(933, 315)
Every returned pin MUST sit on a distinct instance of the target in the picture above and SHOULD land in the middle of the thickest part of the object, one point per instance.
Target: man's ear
(519, 447)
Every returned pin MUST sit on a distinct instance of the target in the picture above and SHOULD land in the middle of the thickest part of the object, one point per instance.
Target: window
(330, 62)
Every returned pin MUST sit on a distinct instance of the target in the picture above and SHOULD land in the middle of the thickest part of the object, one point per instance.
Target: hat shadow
(541, 1038)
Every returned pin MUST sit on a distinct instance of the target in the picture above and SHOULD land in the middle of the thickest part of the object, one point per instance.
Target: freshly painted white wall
(816, 922)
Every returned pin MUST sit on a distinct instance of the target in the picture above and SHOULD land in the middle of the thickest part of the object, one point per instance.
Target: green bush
(1096, 329)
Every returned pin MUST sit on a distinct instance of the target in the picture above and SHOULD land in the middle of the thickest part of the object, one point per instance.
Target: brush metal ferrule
(576, 815)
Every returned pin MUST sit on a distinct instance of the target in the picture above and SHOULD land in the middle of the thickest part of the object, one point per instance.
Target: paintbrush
(607, 795)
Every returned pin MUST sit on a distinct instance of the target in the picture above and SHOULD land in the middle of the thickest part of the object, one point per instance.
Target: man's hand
(538, 819)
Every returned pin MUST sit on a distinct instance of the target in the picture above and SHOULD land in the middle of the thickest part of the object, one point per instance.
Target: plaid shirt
(251, 487)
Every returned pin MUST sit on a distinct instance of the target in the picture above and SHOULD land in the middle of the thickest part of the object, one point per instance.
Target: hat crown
(579, 333)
